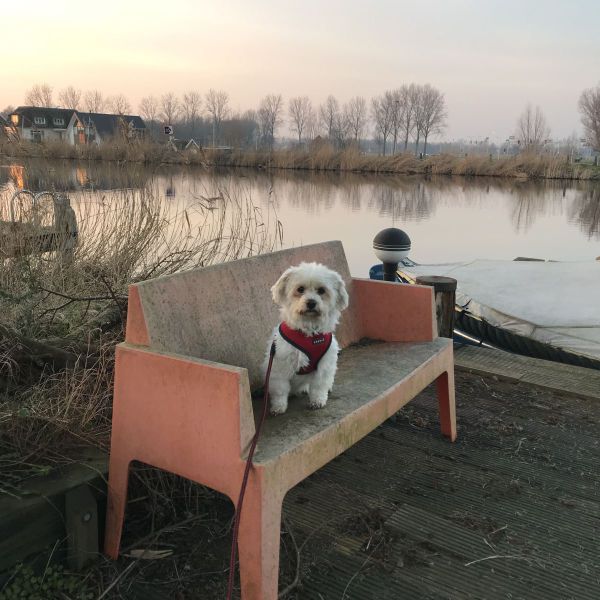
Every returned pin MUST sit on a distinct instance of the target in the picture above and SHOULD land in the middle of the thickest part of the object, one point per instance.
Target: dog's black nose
(311, 304)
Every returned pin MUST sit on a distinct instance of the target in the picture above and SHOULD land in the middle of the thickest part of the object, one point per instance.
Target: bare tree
(312, 125)
(532, 128)
(589, 107)
(149, 108)
(409, 98)
(269, 117)
(70, 97)
(191, 105)
(39, 95)
(393, 99)
(299, 109)
(433, 112)
(381, 110)
(418, 114)
(170, 108)
(217, 107)
(7, 110)
(330, 115)
(119, 104)
(356, 115)
(94, 101)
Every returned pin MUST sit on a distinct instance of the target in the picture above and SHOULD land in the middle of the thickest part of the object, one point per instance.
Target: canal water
(447, 219)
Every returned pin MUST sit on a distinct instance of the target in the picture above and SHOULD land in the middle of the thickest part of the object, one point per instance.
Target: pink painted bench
(194, 346)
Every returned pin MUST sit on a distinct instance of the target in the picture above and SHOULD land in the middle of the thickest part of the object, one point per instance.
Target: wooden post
(81, 520)
(444, 289)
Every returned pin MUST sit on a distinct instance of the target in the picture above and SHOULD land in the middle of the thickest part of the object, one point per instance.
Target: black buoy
(391, 245)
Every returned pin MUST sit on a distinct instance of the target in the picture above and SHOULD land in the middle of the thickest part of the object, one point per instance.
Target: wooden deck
(512, 510)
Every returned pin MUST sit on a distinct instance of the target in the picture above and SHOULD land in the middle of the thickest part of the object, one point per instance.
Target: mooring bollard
(391, 246)
(444, 289)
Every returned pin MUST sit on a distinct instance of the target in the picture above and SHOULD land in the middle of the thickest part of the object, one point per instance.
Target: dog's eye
(301, 289)
(321, 291)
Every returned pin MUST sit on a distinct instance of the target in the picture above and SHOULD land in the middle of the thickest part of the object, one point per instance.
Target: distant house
(192, 145)
(38, 124)
(100, 127)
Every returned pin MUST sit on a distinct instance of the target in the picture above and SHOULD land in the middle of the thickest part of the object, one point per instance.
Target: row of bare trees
(409, 113)
(75, 99)
(413, 111)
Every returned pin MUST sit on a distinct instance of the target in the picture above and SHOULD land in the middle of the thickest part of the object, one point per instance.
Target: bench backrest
(225, 313)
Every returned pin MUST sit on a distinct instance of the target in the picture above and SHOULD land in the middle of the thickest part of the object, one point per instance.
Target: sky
(490, 58)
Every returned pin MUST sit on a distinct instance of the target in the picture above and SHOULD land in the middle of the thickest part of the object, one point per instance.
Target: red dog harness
(313, 346)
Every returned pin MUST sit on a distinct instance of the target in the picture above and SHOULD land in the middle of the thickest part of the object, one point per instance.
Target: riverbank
(321, 158)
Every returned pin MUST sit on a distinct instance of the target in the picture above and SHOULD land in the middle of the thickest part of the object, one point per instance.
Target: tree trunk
(417, 143)
(425, 145)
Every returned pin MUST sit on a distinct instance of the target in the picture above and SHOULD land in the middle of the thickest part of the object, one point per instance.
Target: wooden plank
(37, 518)
(81, 523)
(535, 371)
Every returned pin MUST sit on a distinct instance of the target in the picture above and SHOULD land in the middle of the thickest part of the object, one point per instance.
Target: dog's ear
(279, 289)
(341, 295)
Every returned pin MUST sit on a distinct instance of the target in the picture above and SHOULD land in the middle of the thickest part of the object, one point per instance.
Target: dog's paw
(316, 403)
(278, 407)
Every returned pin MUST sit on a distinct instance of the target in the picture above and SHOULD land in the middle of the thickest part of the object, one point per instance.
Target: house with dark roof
(100, 127)
(39, 124)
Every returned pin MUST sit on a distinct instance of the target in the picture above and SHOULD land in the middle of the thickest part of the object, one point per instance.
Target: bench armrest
(394, 312)
(204, 406)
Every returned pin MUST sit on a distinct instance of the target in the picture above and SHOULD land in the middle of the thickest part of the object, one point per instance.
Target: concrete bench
(194, 347)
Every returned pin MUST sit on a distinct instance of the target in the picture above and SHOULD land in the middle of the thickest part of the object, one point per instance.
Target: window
(39, 120)
(59, 122)
(14, 119)
(36, 136)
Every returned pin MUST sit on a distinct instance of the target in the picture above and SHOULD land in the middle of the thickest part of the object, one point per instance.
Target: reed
(68, 309)
(317, 157)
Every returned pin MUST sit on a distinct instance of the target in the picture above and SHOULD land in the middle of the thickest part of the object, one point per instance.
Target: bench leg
(118, 475)
(447, 407)
(258, 543)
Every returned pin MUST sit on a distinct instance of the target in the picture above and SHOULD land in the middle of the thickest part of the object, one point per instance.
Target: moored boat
(548, 310)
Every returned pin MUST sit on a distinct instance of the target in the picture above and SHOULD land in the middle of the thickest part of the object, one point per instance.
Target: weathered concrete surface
(225, 313)
(365, 373)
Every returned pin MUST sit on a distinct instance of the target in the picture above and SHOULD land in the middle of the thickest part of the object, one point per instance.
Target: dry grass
(318, 157)
(325, 158)
(74, 304)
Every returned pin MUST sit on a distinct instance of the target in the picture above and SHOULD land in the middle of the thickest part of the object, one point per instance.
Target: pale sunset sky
(490, 58)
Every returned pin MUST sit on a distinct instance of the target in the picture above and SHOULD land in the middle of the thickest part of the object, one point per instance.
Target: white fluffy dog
(311, 298)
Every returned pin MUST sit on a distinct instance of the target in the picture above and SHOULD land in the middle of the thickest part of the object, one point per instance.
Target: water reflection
(448, 217)
(68, 176)
(585, 210)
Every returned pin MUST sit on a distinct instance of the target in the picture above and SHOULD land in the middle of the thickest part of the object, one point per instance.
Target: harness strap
(314, 347)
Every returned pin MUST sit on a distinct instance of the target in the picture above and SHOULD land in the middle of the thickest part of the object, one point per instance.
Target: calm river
(448, 219)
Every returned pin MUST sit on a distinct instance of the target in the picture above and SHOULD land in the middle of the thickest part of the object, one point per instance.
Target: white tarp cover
(553, 302)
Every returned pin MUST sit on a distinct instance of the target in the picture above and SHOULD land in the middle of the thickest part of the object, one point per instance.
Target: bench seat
(365, 376)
